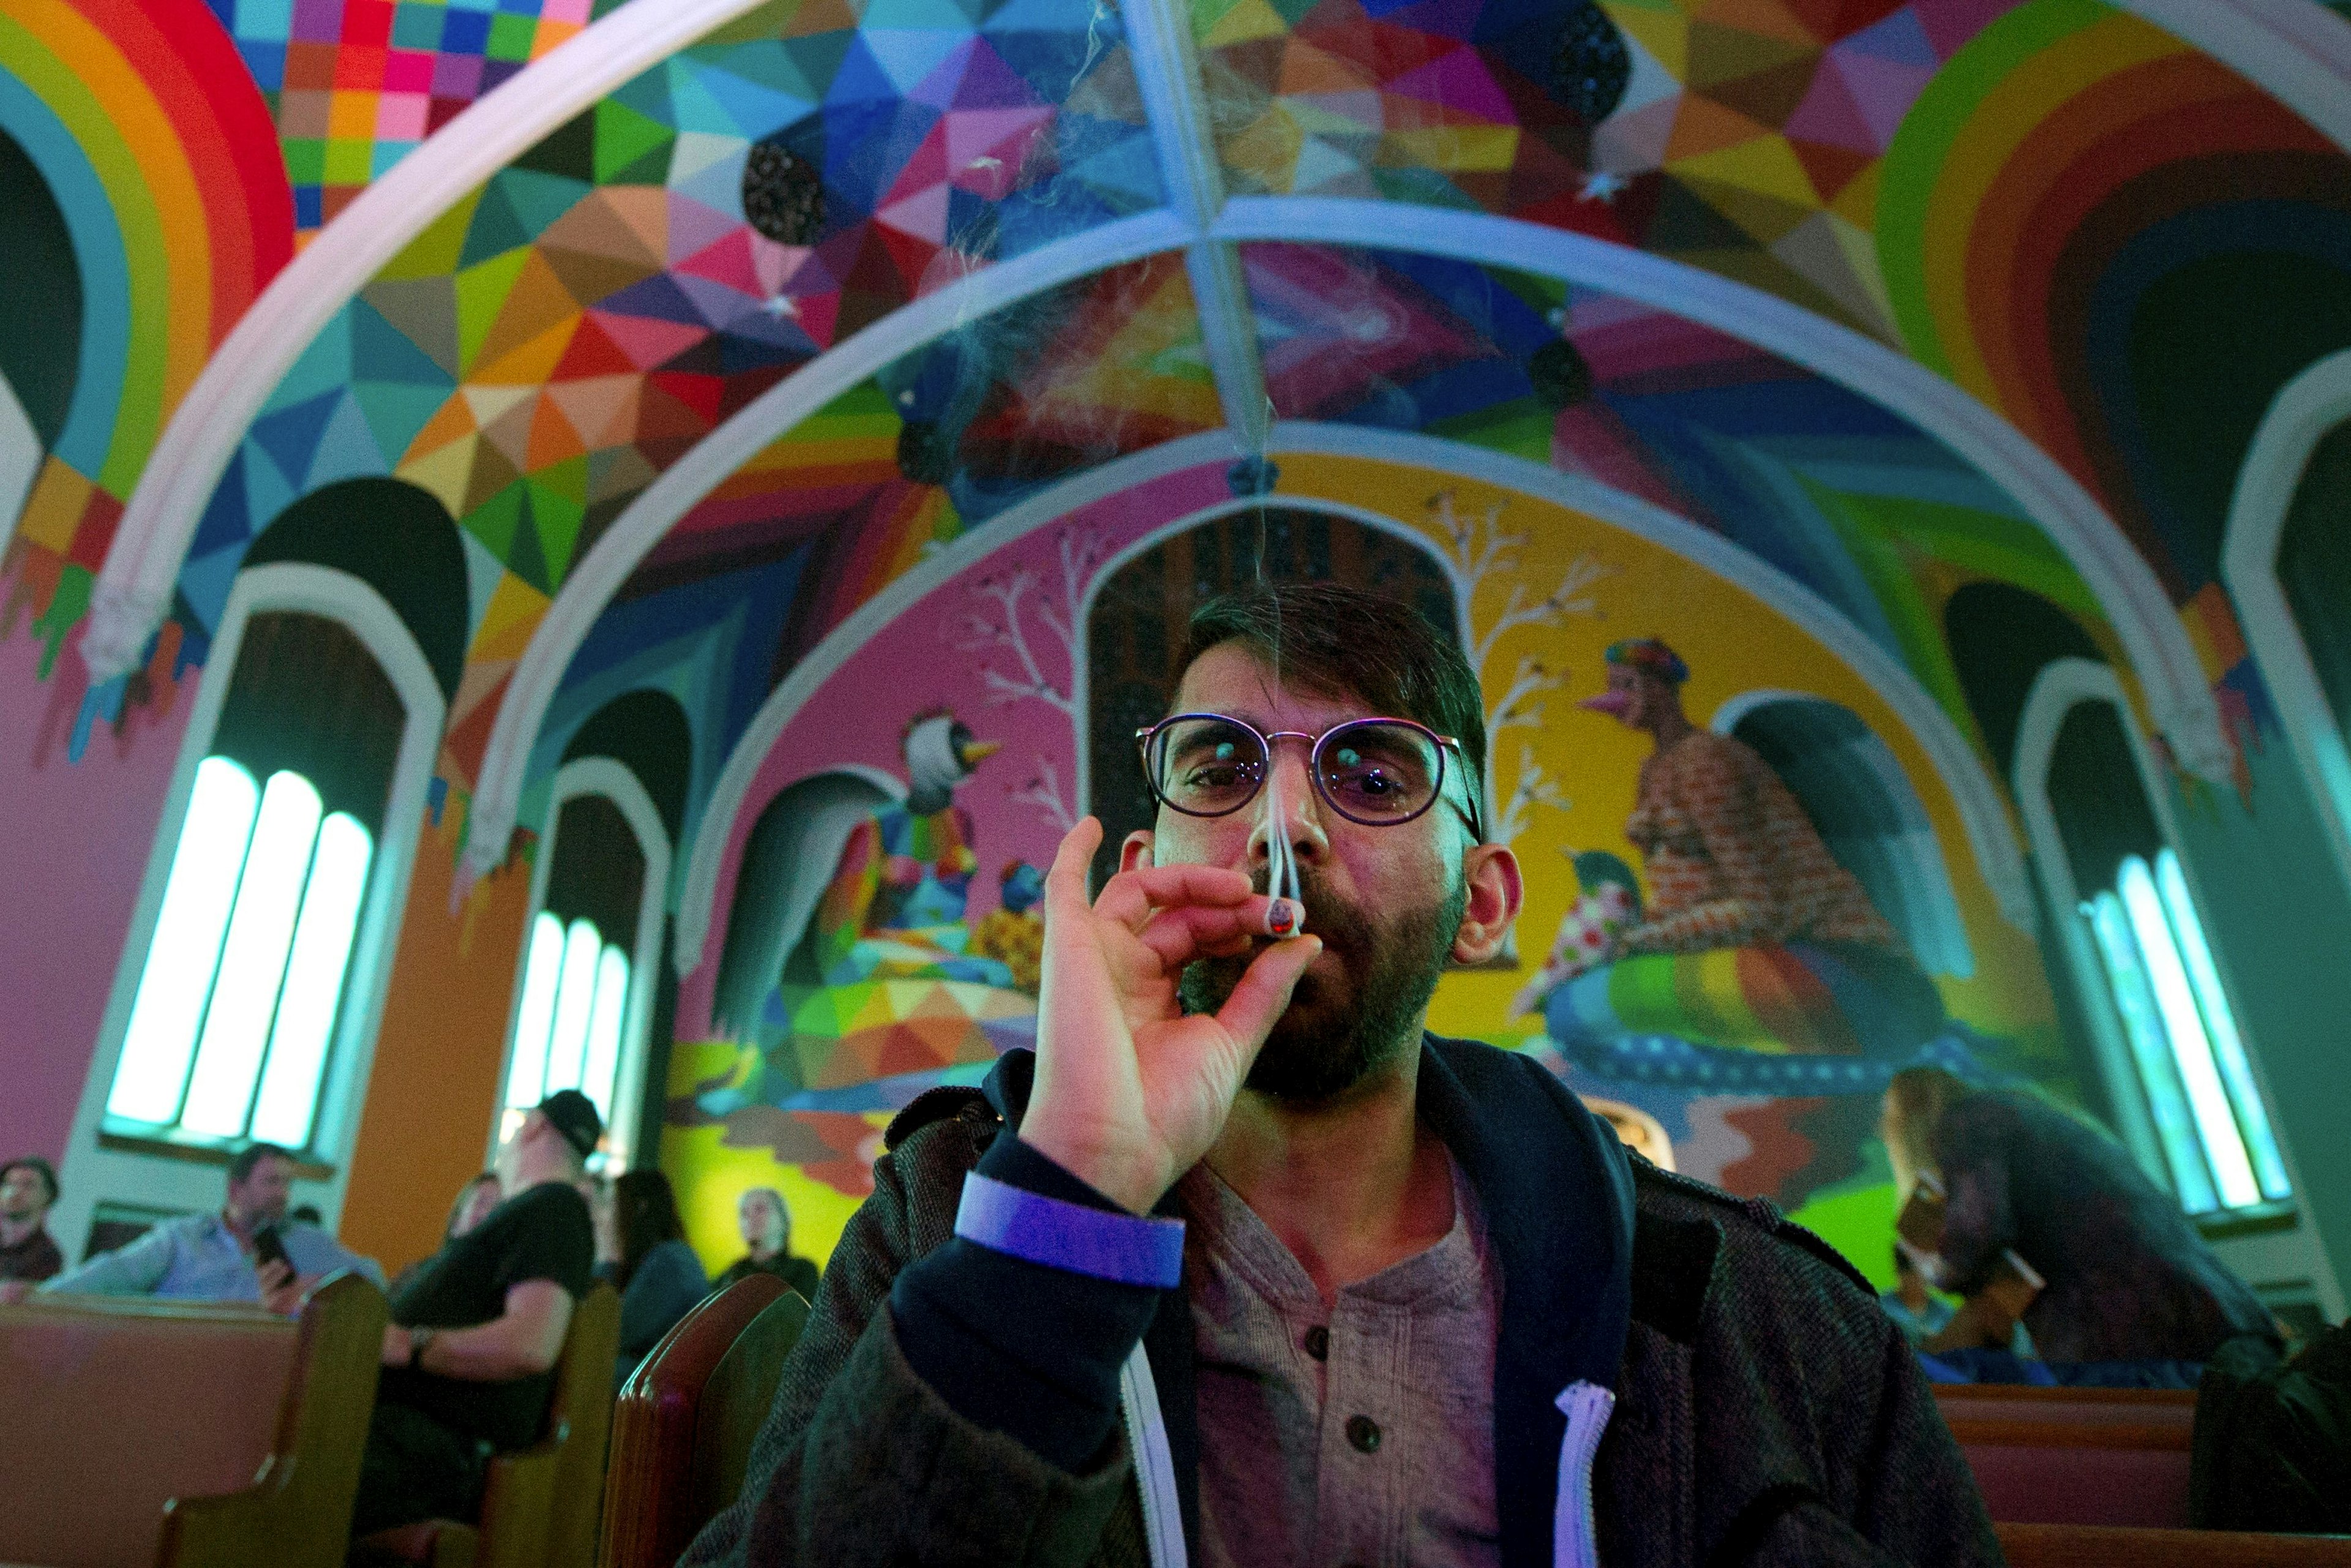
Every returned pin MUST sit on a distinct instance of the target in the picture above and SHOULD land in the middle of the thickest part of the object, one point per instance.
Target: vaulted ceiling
(706, 321)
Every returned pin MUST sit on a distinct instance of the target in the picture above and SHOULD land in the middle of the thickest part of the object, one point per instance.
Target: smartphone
(269, 1247)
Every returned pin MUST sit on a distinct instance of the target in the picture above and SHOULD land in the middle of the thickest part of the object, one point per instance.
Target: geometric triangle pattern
(356, 84)
(1743, 141)
(537, 357)
(1870, 513)
(721, 610)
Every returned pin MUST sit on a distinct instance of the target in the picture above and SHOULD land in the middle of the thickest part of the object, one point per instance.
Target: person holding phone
(248, 1251)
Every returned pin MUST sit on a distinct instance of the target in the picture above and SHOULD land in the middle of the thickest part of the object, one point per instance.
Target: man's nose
(1300, 818)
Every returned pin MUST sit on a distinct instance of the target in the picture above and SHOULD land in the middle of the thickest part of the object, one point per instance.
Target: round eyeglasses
(1376, 771)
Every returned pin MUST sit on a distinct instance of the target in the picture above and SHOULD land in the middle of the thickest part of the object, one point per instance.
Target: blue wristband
(1123, 1248)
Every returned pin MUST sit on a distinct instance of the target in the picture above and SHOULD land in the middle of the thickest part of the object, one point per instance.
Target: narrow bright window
(152, 1075)
(605, 1019)
(314, 983)
(2191, 1061)
(570, 1025)
(535, 1019)
(234, 1019)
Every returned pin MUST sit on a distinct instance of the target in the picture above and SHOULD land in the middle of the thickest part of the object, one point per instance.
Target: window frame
(2064, 686)
(178, 1174)
(2305, 412)
(616, 782)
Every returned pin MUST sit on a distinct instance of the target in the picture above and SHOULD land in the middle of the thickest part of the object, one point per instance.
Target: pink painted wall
(857, 714)
(74, 839)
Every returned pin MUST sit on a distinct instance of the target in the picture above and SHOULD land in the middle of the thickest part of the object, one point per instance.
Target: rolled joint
(1284, 918)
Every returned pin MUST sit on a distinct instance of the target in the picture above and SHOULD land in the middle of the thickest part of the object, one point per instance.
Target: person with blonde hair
(2124, 1275)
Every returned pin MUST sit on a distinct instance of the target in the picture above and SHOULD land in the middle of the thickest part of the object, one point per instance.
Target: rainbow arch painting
(140, 118)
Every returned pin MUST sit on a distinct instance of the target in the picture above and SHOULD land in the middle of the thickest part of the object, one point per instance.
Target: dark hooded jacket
(1766, 1410)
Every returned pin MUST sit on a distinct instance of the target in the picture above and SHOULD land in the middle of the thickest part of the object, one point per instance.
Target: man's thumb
(1256, 1003)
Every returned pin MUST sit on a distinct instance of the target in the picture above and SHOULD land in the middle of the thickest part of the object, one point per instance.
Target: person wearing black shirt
(27, 1187)
(470, 1354)
(767, 1227)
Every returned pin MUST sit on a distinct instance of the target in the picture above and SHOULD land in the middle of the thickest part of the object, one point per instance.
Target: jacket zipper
(1154, 1464)
(1574, 1537)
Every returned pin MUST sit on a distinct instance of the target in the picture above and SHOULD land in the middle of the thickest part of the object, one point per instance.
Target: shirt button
(1318, 1343)
(1364, 1434)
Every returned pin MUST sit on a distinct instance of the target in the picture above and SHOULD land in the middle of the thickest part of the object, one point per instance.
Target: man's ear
(1496, 892)
(1135, 853)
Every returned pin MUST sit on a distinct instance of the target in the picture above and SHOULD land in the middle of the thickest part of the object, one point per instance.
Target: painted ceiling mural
(544, 350)
(547, 348)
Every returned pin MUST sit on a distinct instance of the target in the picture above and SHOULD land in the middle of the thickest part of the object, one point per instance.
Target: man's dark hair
(253, 1154)
(644, 1209)
(39, 1168)
(1345, 641)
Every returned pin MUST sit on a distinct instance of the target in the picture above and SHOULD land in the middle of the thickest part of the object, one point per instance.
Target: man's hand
(1129, 1091)
(281, 1292)
(396, 1345)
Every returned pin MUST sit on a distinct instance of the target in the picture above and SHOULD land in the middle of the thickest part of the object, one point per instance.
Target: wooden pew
(2091, 1546)
(542, 1505)
(184, 1434)
(682, 1436)
(2113, 1457)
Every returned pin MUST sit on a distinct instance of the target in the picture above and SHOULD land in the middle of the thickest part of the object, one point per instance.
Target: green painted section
(1914, 160)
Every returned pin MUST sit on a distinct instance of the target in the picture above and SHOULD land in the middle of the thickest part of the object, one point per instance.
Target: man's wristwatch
(417, 1339)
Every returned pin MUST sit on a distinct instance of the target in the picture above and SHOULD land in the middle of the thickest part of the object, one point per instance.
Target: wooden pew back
(682, 1434)
(186, 1434)
(2096, 1457)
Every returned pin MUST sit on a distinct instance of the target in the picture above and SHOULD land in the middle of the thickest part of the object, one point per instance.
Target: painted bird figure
(848, 876)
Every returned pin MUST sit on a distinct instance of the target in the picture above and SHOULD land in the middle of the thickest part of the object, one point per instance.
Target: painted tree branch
(1044, 792)
(1534, 788)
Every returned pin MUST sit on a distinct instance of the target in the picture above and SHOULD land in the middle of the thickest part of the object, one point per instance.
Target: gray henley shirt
(1359, 1435)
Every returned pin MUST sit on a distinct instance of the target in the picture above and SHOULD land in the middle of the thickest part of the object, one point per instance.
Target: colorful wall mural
(2116, 245)
(787, 1099)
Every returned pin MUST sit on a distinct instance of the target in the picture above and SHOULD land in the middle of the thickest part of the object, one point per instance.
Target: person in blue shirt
(657, 1272)
(212, 1256)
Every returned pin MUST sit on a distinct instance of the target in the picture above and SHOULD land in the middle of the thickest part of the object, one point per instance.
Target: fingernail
(1281, 918)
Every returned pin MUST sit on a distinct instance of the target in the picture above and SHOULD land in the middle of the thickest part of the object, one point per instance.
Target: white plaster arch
(2170, 675)
(134, 587)
(618, 783)
(93, 1171)
(2310, 407)
(1976, 798)
(592, 583)
(2295, 50)
(2144, 617)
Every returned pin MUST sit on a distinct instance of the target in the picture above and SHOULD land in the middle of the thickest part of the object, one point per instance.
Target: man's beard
(1326, 1042)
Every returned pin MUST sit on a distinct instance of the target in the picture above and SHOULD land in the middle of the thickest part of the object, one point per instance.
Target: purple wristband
(1124, 1248)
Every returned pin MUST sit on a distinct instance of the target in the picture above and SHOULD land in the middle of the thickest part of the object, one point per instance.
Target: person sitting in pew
(767, 1225)
(249, 1251)
(27, 1187)
(470, 1354)
(2112, 1270)
(658, 1275)
(475, 1202)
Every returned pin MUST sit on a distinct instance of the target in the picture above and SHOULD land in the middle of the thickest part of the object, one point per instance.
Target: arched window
(238, 1001)
(2177, 1067)
(592, 953)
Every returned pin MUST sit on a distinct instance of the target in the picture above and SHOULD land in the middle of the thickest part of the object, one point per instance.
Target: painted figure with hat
(1754, 942)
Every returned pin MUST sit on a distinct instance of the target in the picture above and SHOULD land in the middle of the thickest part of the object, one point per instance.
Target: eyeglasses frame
(1314, 744)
